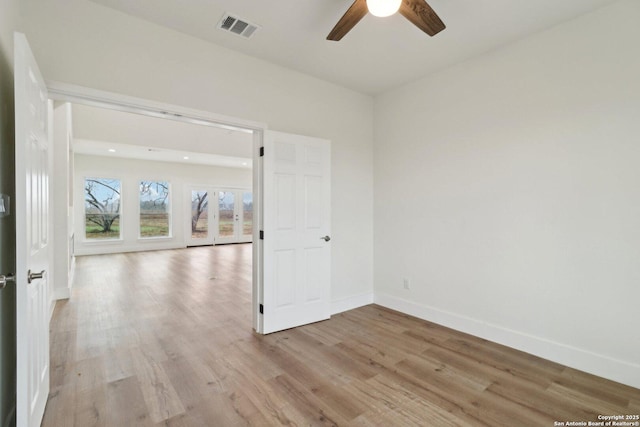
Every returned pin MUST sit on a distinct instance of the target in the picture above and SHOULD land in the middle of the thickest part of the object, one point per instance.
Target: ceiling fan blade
(356, 12)
(422, 16)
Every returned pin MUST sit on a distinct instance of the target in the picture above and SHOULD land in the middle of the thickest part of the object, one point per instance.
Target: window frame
(169, 235)
(121, 211)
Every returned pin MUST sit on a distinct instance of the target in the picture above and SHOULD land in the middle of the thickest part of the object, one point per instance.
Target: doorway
(291, 267)
(61, 92)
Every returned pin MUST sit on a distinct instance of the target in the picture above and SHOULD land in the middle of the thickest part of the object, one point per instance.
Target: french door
(219, 216)
(235, 216)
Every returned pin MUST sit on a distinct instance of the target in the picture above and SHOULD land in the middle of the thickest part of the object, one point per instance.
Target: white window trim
(156, 238)
(89, 241)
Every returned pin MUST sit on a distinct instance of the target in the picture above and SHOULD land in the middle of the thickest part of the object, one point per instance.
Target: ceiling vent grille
(237, 26)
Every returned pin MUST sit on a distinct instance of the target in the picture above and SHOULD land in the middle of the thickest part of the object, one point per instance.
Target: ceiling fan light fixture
(382, 8)
(418, 12)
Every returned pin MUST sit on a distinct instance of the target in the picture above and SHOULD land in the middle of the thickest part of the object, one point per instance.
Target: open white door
(32, 237)
(296, 223)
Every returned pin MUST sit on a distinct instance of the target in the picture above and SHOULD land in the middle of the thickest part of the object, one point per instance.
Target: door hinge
(261, 235)
(261, 309)
(261, 151)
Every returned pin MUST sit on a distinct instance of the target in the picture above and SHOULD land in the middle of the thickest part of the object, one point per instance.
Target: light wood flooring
(164, 339)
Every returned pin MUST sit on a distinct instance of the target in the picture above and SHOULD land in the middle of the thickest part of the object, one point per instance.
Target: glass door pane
(247, 214)
(199, 214)
(226, 214)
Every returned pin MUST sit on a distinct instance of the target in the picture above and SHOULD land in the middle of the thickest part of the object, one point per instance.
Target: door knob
(326, 238)
(5, 278)
(33, 276)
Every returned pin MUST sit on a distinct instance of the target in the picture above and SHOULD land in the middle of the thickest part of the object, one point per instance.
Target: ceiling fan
(417, 11)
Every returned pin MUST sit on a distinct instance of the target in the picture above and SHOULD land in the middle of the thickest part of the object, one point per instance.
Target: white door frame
(87, 96)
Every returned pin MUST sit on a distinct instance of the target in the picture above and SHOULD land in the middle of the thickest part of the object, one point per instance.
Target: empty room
(442, 226)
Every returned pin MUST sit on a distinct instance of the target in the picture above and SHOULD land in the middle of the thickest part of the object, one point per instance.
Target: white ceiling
(112, 133)
(379, 53)
(140, 152)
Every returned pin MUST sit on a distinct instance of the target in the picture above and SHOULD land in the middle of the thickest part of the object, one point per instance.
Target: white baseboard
(597, 364)
(64, 293)
(72, 272)
(52, 307)
(349, 303)
(117, 248)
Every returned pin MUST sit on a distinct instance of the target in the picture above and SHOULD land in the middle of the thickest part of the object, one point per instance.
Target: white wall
(507, 190)
(130, 173)
(62, 215)
(80, 42)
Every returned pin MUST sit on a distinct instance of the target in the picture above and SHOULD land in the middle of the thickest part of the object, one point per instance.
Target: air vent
(238, 26)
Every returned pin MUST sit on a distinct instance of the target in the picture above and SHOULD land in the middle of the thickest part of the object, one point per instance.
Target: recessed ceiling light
(186, 157)
(244, 163)
(112, 150)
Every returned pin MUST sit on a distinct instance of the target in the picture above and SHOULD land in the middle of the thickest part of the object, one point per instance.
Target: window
(102, 208)
(155, 212)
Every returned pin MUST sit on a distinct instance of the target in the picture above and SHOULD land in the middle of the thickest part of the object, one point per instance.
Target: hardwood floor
(164, 338)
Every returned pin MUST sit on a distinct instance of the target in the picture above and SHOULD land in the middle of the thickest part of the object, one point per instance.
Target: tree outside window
(155, 215)
(102, 208)
(199, 214)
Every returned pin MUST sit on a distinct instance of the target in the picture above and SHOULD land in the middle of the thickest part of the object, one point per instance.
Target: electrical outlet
(406, 283)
